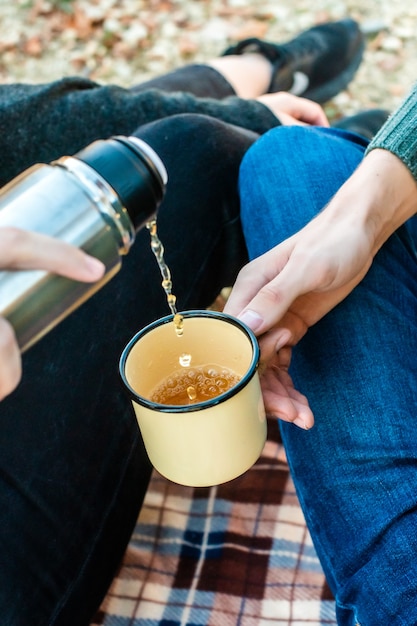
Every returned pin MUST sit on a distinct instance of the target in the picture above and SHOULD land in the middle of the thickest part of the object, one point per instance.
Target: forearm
(378, 198)
(389, 172)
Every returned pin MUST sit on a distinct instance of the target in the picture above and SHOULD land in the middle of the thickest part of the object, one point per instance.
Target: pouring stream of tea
(158, 250)
(202, 383)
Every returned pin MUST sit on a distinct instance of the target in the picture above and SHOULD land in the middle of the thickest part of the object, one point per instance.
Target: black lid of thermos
(131, 171)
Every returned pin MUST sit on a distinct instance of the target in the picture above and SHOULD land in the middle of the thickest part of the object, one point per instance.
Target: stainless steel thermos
(96, 200)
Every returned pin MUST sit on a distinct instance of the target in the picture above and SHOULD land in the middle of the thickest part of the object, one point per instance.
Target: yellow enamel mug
(209, 442)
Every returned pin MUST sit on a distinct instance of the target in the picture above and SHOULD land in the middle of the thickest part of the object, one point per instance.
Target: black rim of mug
(198, 406)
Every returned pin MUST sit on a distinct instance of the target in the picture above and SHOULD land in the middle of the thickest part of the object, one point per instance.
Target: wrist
(395, 198)
(381, 194)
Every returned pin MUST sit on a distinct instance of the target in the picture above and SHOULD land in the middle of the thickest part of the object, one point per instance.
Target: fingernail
(300, 423)
(251, 319)
(94, 266)
(283, 338)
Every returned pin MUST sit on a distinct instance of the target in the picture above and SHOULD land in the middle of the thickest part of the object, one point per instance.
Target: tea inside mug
(211, 344)
(189, 385)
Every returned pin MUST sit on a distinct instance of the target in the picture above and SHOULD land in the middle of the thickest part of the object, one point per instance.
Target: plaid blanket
(236, 554)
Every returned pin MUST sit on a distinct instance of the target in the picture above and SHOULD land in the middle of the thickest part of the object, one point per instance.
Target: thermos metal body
(70, 201)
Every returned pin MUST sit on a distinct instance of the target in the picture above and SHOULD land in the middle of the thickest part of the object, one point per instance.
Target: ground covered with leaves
(127, 41)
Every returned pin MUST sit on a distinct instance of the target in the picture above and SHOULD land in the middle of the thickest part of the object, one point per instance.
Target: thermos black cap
(133, 170)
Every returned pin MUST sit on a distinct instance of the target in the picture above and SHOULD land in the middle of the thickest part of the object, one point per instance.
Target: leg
(201, 80)
(327, 56)
(200, 216)
(355, 470)
(73, 471)
(42, 122)
(247, 76)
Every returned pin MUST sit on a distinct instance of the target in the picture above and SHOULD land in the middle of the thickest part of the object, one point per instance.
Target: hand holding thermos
(65, 227)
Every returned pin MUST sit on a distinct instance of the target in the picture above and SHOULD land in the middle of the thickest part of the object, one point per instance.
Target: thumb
(273, 300)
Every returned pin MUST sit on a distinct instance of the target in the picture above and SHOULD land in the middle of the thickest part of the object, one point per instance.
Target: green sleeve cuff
(399, 133)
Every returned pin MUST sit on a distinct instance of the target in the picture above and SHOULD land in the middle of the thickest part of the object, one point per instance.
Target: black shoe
(365, 123)
(317, 64)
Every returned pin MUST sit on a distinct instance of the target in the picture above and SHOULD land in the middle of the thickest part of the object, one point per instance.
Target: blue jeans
(356, 470)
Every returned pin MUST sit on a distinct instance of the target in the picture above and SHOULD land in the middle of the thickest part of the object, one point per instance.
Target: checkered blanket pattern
(236, 554)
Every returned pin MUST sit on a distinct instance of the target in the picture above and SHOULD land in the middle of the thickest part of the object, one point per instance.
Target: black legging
(73, 470)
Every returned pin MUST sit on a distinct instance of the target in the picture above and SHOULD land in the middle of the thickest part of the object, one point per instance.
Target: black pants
(73, 470)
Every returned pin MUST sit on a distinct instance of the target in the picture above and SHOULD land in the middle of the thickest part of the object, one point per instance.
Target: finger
(287, 332)
(291, 109)
(20, 249)
(285, 402)
(10, 360)
(289, 120)
(310, 113)
(304, 110)
(273, 300)
(255, 275)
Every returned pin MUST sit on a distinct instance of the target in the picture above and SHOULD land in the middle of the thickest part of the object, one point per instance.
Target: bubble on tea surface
(191, 392)
(192, 385)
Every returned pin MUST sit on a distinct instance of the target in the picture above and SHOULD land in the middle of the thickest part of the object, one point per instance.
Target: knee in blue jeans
(288, 176)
